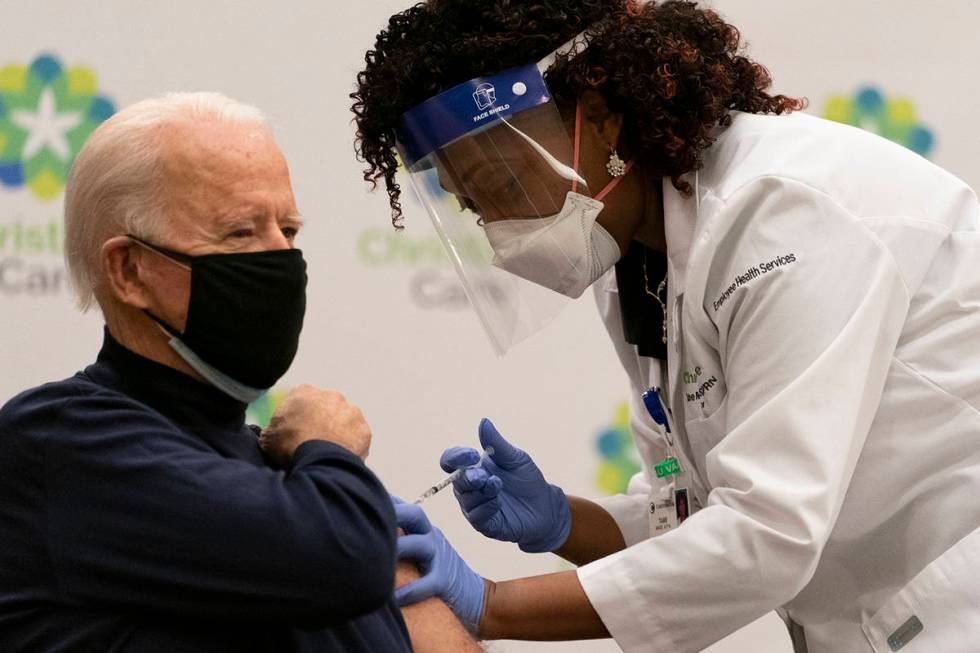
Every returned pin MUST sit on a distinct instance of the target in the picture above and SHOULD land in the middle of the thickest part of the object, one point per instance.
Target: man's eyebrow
(253, 217)
(236, 219)
(296, 219)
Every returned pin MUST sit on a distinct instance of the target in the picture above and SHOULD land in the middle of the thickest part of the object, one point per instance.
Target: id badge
(669, 507)
(663, 510)
(682, 505)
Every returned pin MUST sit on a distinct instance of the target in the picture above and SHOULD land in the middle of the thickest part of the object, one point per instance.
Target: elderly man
(139, 512)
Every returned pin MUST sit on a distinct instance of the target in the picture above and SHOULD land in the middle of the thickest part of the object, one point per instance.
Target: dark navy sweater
(137, 515)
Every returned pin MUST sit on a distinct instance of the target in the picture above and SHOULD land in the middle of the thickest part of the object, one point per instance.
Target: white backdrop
(387, 324)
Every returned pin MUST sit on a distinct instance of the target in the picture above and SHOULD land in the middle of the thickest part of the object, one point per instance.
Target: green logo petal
(261, 410)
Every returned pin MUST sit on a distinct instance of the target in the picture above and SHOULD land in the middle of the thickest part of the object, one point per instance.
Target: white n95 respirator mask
(565, 252)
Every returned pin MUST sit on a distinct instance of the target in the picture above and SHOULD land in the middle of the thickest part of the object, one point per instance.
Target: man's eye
(241, 233)
(290, 232)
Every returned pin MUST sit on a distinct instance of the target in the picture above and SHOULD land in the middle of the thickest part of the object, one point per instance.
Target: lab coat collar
(680, 222)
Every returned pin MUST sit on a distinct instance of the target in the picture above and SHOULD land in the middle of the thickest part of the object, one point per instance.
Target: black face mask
(245, 312)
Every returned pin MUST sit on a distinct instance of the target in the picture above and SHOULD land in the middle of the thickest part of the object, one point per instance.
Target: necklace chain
(656, 295)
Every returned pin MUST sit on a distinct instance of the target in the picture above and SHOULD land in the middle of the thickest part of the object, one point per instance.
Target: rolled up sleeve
(143, 516)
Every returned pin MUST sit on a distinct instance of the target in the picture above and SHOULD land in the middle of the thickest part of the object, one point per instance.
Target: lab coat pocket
(705, 433)
(938, 610)
(701, 436)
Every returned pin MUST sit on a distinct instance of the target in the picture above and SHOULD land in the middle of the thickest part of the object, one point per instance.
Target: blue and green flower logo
(893, 118)
(618, 459)
(46, 113)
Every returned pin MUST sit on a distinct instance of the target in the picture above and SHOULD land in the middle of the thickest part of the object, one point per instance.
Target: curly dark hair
(672, 69)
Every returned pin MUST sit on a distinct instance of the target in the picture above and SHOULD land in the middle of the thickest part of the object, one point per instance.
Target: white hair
(116, 185)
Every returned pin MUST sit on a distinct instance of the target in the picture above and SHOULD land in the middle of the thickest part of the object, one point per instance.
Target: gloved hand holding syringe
(452, 477)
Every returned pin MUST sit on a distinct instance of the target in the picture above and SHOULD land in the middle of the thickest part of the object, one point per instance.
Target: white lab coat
(823, 377)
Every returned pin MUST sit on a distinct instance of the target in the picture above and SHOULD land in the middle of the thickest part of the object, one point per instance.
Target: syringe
(452, 477)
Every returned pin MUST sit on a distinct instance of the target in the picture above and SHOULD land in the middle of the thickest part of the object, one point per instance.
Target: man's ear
(121, 266)
(605, 125)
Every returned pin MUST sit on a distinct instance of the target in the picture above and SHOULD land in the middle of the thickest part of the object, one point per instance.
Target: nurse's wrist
(594, 533)
(486, 628)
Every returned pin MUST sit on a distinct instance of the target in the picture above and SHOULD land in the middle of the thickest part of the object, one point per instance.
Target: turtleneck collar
(194, 405)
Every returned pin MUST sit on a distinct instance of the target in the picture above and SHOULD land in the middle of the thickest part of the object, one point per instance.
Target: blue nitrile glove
(444, 573)
(507, 497)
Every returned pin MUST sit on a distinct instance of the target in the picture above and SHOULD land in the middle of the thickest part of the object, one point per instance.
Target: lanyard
(669, 466)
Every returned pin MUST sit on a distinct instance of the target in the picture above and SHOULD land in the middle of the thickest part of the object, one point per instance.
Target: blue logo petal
(101, 110)
(12, 174)
(46, 68)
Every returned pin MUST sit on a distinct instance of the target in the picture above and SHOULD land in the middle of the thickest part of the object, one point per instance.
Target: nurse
(796, 303)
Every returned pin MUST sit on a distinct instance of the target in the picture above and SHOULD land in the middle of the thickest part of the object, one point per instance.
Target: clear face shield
(492, 161)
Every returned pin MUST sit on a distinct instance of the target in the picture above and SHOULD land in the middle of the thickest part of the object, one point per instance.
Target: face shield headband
(476, 104)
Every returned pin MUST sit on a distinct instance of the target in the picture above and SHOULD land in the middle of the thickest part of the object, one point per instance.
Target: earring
(616, 167)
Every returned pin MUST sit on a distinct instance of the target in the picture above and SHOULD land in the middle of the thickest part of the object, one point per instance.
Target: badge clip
(667, 467)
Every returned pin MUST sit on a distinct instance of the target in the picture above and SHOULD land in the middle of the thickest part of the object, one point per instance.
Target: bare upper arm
(432, 626)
